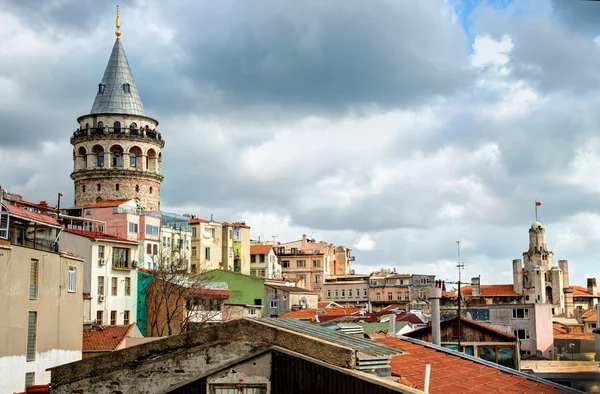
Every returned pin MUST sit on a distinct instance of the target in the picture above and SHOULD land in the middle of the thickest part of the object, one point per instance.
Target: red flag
(538, 204)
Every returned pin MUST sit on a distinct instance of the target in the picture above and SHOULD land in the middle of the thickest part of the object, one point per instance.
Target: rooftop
(452, 372)
(107, 203)
(260, 249)
(117, 93)
(580, 291)
(465, 321)
(492, 291)
(105, 338)
(310, 313)
(291, 289)
(32, 216)
(99, 236)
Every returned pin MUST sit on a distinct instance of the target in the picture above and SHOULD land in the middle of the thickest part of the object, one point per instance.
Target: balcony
(100, 131)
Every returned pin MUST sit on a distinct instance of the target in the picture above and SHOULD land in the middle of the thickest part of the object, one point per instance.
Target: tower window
(117, 127)
(127, 88)
(116, 159)
(101, 87)
(150, 189)
(117, 187)
(137, 188)
(132, 160)
(133, 126)
(99, 187)
(100, 159)
(100, 125)
(83, 188)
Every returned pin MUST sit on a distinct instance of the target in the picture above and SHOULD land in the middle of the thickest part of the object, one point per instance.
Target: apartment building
(236, 247)
(389, 288)
(109, 275)
(264, 262)
(347, 290)
(206, 245)
(176, 238)
(42, 299)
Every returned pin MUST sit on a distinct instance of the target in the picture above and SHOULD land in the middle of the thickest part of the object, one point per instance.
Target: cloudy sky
(393, 127)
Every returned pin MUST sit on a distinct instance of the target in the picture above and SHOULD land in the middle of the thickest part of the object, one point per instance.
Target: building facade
(206, 245)
(42, 299)
(408, 290)
(176, 239)
(117, 149)
(281, 298)
(236, 247)
(347, 290)
(109, 275)
(264, 262)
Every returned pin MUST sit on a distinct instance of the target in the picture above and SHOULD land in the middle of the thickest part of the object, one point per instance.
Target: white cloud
(364, 243)
(491, 52)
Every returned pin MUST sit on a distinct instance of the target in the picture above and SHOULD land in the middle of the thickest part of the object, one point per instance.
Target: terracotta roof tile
(580, 291)
(260, 249)
(99, 236)
(236, 224)
(589, 315)
(25, 214)
(104, 338)
(310, 313)
(444, 323)
(492, 291)
(198, 220)
(454, 374)
(209, 294)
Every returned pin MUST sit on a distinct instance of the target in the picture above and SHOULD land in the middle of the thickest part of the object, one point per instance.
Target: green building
(247, 293)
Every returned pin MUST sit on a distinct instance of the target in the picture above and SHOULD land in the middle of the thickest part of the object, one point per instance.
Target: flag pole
(536, 205)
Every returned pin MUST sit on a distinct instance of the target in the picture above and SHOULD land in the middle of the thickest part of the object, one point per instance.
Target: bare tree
(177, 301)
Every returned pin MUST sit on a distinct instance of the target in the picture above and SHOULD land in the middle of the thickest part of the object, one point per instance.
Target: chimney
(392, 330)
(43, 203)
(475, 286)
(434, 297)
(579, 313)
(568, 301)
(591, 286)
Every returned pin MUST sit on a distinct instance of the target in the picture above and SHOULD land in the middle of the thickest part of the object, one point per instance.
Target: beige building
(347, 290)
(312, 261)
(264, 262)
(117, 149)
(236, 247)
(206, 245)
(42, 299)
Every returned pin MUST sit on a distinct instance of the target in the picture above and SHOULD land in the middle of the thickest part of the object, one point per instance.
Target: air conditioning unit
(101, 261)
(101, 298)
(134, 264)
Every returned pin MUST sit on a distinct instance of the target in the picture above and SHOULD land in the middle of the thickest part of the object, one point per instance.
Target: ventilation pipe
(392, 330)
(434, 298)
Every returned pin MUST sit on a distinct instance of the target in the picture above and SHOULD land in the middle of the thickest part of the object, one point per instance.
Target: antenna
(118, 24)
(460, 265)
(275, 238)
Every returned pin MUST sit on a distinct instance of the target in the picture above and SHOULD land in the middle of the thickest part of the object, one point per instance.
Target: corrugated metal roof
(365, 348)
(118, 93)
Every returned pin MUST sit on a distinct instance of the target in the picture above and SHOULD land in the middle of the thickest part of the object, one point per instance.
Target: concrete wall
(215, 244)
(59, 315)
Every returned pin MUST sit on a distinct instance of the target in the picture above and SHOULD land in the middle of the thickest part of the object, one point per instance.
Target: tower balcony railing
(142, 132)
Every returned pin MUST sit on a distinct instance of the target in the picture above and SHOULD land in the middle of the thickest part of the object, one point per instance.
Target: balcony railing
(153, 134)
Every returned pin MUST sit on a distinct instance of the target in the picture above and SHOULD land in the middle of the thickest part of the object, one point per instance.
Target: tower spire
(118, 32)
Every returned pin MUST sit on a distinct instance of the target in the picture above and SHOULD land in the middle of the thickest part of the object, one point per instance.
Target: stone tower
(539, 279)
(117, 148)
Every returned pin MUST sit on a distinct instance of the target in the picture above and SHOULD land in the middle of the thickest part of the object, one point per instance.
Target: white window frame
(72, 280)
(4, 223)
(251, 311)
(274, 304)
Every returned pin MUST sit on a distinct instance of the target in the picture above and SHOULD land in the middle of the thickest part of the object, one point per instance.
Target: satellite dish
(303, 302)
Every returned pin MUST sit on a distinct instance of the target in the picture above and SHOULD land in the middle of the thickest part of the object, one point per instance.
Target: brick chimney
(476, 287)
(43, 203)
(591, 286)
(568, 301)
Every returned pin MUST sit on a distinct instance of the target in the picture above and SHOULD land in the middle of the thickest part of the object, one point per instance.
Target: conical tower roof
(117, 92)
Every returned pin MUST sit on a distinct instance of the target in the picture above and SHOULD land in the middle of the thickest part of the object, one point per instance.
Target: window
(113, 286)
(150, 189)
(194, 232)
(521, 334)
(31, 335)
(101, 285)
(301, 264)
(120, 258)
(29, 379)
(100, 251)
(193, 268)
(358, 292)
(343, 293)
(33, 280)
(316, 263)
(591, 325)
(209, 233)
(127, 88)
(251, 311)
(132, 160)
(328, 293)
(262, 258)
(126, 318)
(116, 159)
(117, 187)
(285, 264)
(365, 293)
(193, 251)
(151, 230)
(406, 295)
(148, 249)
(71, 281)
(399, 295)
(127, 286)
(100, 159)
(133, 227)
(99, 317)
(273, 304)
(520, 313)
(83, 188)
(99, 187)
(113, 318)
(378, 297)
(101, 87)
(137, 188)
(207, 253)
(337, 294)
(317, 280)
(349, 292)
(390, 298)
(237, 389)
(87, 226)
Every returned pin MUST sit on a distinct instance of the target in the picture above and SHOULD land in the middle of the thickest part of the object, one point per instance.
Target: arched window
(99, 187)
(133, 126)
(150, 189)
(83, 188)
(100, 125)
(132, 160)
(137, 188)
(100, 159)
(116, 159)
(87, 125)
(117, 127)
(117, 187)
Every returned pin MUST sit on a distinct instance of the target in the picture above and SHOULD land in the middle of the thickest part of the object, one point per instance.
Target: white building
(109, 275)
(264, 262)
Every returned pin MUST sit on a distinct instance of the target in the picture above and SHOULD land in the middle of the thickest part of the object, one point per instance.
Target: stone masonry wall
(149, 198)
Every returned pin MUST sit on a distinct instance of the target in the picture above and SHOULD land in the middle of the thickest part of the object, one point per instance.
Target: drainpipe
(434, 298)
